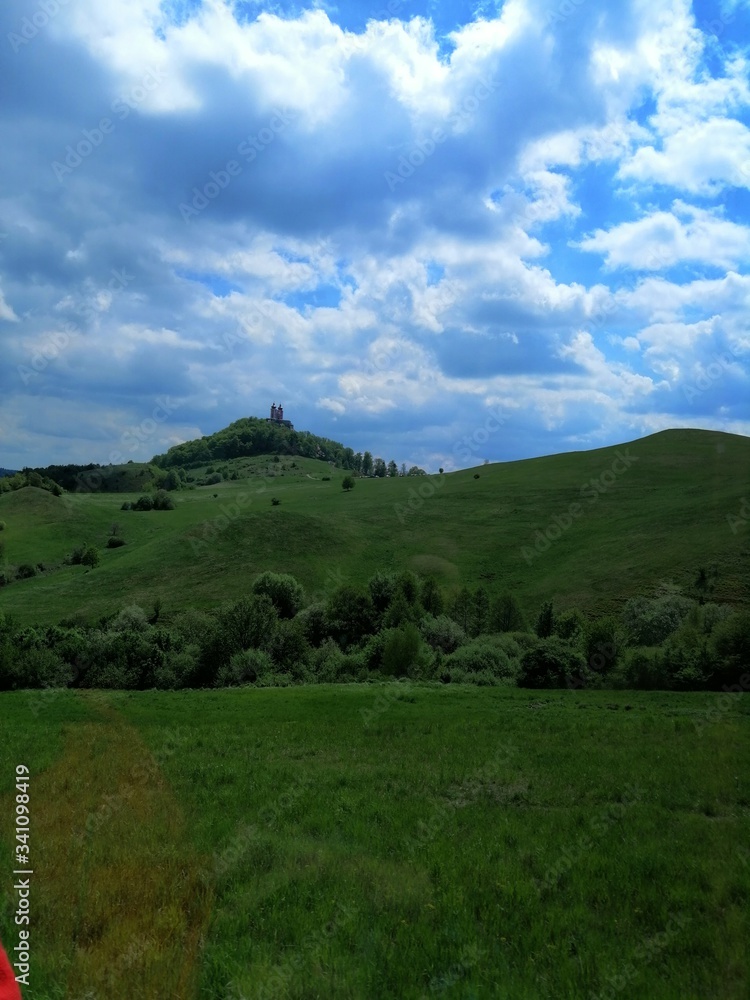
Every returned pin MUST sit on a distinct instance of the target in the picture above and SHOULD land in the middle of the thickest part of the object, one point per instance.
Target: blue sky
(434, 231)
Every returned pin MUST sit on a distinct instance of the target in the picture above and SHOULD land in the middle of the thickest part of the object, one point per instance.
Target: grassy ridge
(396, 843)
(659, 515)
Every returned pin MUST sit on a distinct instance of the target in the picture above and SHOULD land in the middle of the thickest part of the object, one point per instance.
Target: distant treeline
(398, 626)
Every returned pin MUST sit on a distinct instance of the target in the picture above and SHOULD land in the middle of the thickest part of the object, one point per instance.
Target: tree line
(397, 625)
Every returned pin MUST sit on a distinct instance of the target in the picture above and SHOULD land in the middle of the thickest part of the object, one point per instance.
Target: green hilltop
(587, 529)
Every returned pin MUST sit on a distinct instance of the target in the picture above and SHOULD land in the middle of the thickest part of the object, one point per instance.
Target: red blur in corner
(8, 986)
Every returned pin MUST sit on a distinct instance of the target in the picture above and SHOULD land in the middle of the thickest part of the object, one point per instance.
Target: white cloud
(663, 239)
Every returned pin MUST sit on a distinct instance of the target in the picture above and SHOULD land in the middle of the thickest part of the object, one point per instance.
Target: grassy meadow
(658, 516)
(383, 841)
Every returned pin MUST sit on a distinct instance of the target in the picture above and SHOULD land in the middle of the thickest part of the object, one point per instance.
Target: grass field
(659, 515)
(386, 841)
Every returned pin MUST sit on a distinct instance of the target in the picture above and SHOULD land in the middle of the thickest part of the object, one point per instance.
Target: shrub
(486, 657)
(442, 633)
(347, 483)
(649, 621)
(115, 542)
(476, 475)
(130, 619)
(163, 501)
(328, 663)
(506, 615)
(25, 571)
(90, 556)
(326, 479)
(275, 502)
(552, 664)
(2, 525)
(127, 505)
(314, 623)
(731, 646)
(285, 592)
(144, 503)
(245, 667)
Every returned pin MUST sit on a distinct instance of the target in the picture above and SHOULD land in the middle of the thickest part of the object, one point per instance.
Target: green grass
(394, 841)
(661, 519)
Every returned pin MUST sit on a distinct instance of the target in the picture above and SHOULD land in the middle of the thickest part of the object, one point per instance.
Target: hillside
(586, 528)
(250, 437)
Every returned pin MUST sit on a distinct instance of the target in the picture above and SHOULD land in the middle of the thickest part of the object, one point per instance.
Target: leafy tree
(416, 471)
(545, 622)
(432, 598)
(402, 470)
(731, 645)
(401, 650)
(380, 468)
(90, 556)
(347, 483)
(172, 480)
(392, 469)
(480, 616)
(506, 615)
(382, 587)
(144, 503)
(350, 616)
(357, 463)
(285, 592)
(461, 609)
(367, 464)
(288, 647)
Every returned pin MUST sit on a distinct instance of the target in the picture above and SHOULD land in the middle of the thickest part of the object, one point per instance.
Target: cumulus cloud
(418, 214)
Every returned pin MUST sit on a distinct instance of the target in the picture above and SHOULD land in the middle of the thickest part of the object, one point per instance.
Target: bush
(288, 647)
(130, 619)
(246, 667)
(90, 556)
(442, 633)
(114, 542)
(275, 502)
(328, 663)
(485, 657)
(314, 623)
(163, 501)
(506, 615)
(2, 525)
(552, 664)
(144, 503)
(347, 483)
(284, 591)
(326, 479)
(649, 621)
(25, 571)
(127, 505)
(476, 475)
(731, 648)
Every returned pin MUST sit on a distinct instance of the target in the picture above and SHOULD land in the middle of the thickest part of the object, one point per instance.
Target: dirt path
(120, 904)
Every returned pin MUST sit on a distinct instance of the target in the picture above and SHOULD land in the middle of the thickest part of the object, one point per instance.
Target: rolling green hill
(586, 528)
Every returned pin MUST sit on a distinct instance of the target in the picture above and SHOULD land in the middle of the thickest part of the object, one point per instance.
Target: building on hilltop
(277, 416)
